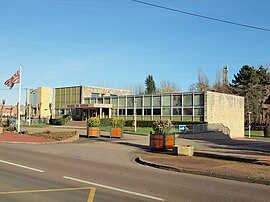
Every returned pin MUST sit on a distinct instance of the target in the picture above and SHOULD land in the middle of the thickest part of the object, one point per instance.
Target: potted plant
(93, 127)
(117, 125)
(162, 138)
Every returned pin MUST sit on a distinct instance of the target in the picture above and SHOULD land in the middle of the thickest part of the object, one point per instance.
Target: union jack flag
(13, 80)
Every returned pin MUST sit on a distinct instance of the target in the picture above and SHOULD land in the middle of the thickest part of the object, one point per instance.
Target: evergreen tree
(252, 83)
(150, 85)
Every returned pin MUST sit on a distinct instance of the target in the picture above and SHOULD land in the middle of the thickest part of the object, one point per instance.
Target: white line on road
(113, 188)
(22, 166)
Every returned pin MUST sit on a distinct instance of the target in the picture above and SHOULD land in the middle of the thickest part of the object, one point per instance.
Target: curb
(231, 158)
(141, 161)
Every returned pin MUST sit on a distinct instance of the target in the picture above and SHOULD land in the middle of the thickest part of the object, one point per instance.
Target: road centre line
(114, 189)
(22, 166)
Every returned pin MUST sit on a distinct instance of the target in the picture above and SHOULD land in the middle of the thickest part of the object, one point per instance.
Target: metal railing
(200, 128)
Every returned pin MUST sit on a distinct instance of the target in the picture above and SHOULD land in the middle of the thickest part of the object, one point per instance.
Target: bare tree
(202, 84)
(136, 89)
(169, 87)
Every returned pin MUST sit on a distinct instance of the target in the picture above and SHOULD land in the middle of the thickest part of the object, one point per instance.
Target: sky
(117, 43)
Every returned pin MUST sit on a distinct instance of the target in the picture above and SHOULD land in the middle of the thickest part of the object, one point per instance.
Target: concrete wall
(88, 90)
(226, 109)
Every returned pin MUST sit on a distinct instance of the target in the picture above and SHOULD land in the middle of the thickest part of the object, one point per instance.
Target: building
(77, 101)
(82, 102)
(40, 102)
(9, 111)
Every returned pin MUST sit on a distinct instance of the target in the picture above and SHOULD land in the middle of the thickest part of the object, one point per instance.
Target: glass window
(100, 100)
(177, 100)
(166, 111)
(94, 94)
(166, 100)
(147, 111)
(147, 101)
(130, 101)
(122, 102)
(114, 102)
(122, 112)
(114, 112)
(177, 111)
(187, 111)
(86, 100)
(130, 112)
(198, 100)
(138, 101)
(157, 111)
(156, 101)
(93, 100)
(138, 111)
(107, 100)
(198, 111)
(187, 100)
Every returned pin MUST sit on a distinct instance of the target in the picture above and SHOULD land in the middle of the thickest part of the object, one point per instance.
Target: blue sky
(117, 43)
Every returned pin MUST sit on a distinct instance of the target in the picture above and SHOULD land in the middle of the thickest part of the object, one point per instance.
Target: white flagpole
(19, 105)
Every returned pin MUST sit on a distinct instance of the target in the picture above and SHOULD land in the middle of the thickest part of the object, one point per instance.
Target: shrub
(266, 131)
(162, 126)
(58, 121)
(105, 122)
(129, 123)
(93, 122)
(117, 122)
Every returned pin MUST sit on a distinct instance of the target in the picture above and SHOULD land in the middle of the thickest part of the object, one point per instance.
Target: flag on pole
(13, 80)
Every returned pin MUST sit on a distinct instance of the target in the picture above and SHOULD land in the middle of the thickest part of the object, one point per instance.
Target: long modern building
(83, 102)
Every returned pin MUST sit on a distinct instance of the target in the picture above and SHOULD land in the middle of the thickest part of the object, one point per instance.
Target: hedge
(59, 121)
(144, 123)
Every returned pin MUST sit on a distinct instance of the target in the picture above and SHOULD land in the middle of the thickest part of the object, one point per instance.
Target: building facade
(40, 102)
(76, 101)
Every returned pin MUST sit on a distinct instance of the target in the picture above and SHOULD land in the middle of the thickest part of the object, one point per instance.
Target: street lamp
(249, 124)
(135, 118)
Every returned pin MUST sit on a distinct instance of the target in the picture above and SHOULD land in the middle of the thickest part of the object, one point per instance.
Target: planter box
(93, 132)
(116, 132)
(1, 129)
(162, 141)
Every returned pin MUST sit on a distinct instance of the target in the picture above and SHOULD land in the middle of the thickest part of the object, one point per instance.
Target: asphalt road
(92, 170)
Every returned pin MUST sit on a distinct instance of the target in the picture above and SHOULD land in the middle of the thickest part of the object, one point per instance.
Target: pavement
(245, 150)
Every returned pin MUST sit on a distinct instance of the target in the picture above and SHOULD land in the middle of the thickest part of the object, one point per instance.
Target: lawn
(129, 129)
(254, 133)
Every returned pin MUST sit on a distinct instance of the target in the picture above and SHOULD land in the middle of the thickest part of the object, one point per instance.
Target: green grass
(129, 129)
(42, 125)
(140, 130)
(255, 133)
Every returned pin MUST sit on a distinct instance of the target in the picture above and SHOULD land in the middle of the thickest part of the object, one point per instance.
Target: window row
(185, 100)
(157, 111)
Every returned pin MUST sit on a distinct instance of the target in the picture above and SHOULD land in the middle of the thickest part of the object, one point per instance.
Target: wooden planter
(162, 141)
(116, 132)
(93, 132)
(1, 129)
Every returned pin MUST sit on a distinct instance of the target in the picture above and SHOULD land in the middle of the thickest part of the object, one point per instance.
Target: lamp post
(249, 124)
(135, 114)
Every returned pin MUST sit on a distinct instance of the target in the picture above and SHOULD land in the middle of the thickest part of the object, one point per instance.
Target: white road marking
(22, 166)
(113, 188)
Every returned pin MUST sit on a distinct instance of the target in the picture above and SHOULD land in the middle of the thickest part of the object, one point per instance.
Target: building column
(110, 112)
(100, 113)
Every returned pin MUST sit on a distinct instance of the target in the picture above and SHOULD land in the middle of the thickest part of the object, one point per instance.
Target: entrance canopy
(85, 111)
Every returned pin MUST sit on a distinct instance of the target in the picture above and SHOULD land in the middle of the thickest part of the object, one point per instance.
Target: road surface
(102, 170)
